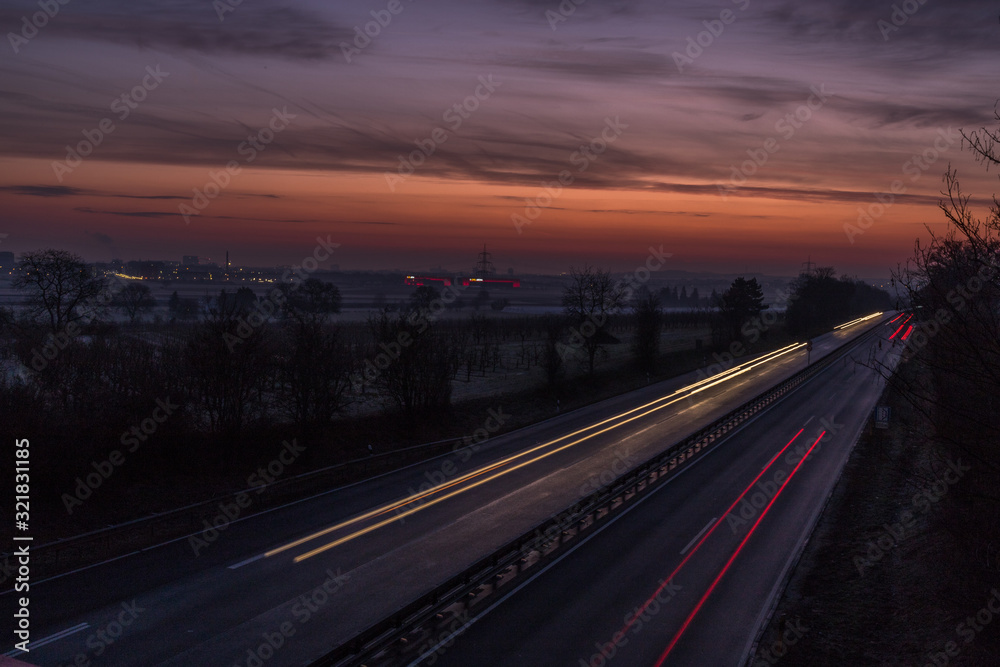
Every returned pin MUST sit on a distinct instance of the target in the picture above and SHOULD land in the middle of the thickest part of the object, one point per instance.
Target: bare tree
(228, 368)
(415, 362)
(588, 300)
(313, 366)
(953, 284)
(59, 285)
(312, 299)
(423, 297)
(134, 299)
(237, 304)
(648, 324)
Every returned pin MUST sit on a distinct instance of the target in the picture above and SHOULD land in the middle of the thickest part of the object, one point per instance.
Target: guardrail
(415, 628)
(62, 555)
(129, 537)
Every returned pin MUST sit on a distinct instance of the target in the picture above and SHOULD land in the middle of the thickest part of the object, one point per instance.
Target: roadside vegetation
(241, 374)
(904, 567)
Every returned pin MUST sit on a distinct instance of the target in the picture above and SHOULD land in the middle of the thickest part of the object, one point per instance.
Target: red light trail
(706, 536)
(711, 588)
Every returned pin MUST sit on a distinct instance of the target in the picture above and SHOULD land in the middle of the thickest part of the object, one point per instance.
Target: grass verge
(883, 580)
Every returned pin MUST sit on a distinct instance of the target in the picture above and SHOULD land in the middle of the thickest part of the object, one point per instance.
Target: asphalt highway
(285, 586)
(689, 574)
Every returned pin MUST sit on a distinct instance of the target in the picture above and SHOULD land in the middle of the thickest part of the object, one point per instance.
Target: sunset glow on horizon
(756, 153)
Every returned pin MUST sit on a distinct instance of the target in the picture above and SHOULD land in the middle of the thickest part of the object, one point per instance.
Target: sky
(738, 135)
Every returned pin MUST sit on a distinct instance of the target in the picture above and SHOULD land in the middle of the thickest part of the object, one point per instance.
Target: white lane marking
(696, 537)
(446, 641)
(246, 562)
(51, 638)
(809, 420)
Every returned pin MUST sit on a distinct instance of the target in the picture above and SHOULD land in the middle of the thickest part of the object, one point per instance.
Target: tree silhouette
(648, 323)
(588, 300)
(819, 301)
(313, 366)
(741, 303)
(423, 297)
(134, 299)
(60, 286)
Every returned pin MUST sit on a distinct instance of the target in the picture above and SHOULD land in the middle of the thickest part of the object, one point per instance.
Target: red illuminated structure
(418, 281)
(482, 274)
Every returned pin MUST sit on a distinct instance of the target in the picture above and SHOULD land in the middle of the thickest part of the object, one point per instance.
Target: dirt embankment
(885, 579)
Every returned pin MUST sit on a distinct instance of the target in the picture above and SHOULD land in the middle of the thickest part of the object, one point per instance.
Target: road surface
(687, 575)
(285, 586)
